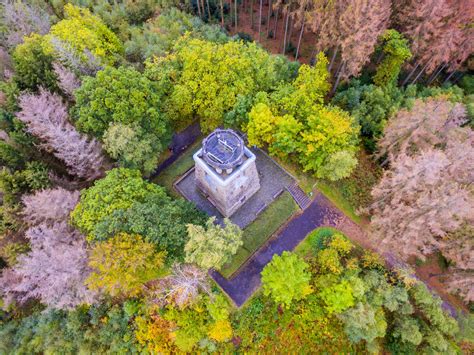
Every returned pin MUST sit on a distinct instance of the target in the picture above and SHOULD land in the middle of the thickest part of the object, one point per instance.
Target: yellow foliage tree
(220, 331)
(84, 31)
(154, 334)
(261, 125)
(123, 264)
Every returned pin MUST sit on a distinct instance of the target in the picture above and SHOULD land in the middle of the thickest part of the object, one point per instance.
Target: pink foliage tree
(441, 32)
(21, 19)
(49, 206)
(425, 200)
(53, 271)
(46, 117)
(67, 80)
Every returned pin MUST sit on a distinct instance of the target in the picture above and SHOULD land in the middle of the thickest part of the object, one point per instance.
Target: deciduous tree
(118, 190)
(286, 279)
(396, 50)
(133, 148)
(83, 30)
(33, 66)
(212, 246)
(122, 264)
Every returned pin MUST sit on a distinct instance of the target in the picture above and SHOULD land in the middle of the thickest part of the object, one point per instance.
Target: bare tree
(424, 202)
(86, 64)
(46, 118)
(181, 287)
(49, 206)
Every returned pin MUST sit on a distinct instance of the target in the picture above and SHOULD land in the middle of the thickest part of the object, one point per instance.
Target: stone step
(299, 196)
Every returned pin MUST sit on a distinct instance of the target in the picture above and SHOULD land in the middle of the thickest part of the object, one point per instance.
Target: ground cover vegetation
(94, 258)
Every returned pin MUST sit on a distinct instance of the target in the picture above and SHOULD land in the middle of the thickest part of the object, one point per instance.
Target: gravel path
(319, 213)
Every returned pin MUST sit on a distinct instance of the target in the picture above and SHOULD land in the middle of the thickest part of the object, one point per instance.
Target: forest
(368, 103)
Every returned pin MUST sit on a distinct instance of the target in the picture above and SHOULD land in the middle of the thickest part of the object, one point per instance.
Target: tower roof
(223, 149)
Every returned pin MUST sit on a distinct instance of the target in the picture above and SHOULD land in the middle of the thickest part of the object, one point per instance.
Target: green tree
(337, 296)
(33, 65)
(329, 130)
(118, 190)
(132, 148)
(84, 31)
(371, 106)
(212, 246)
(158, 219)
(365, 322)
(121, 95)
(212, 77)
(397, 50)
(122, 264)
(339, 165)
(286, 279)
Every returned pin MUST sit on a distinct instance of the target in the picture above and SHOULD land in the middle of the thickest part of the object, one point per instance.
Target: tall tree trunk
(339, 73)
(420, 73)
(208, 11)
(459, 77)
(405, 81)
(251, 14)
(235, 8)
(290, 32)
(268, 16)
(276, 23)
(299, 40)
(198, 3)
(260, 21)
(286, 31)
(436, 74)
(380, 57)
(203, 8)
(222, 12)
(333, 58)
(449, 77)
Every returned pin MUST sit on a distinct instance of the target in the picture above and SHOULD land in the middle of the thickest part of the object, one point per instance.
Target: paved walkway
(320, 213)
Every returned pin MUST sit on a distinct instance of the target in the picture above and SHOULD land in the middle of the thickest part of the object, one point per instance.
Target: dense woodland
(96, 258)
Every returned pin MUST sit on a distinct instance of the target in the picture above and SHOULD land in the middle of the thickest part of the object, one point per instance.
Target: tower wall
(227, 192)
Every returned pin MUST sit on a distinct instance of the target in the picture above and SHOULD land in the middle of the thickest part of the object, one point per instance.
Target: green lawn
(178, 168)
(258, 232)
(304, 248)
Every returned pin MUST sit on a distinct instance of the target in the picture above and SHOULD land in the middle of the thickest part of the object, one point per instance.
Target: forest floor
(273, 44)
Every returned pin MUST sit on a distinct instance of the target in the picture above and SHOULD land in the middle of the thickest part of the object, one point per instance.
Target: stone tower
(225, 171)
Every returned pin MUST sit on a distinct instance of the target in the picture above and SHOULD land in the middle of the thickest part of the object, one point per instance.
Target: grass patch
(258, 232)
(314, 240)
(178, 168)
